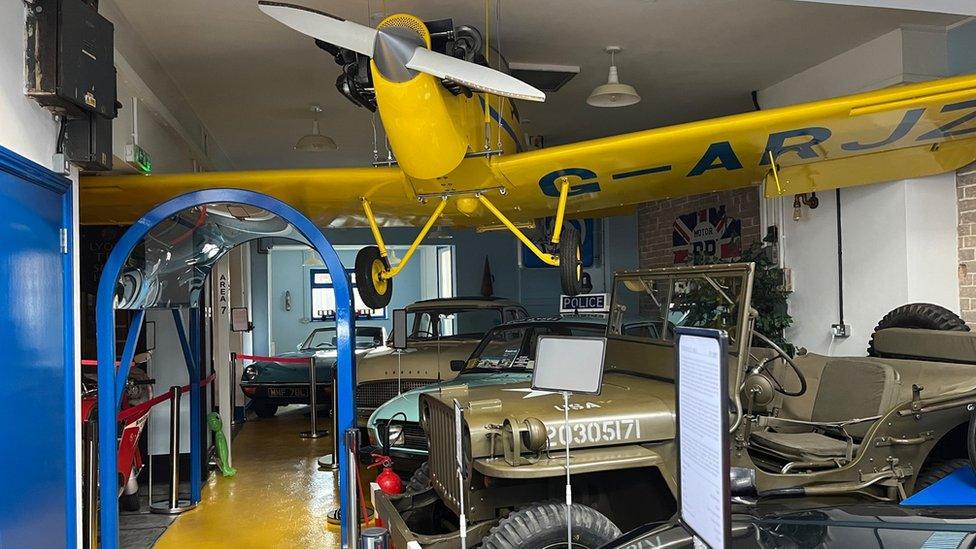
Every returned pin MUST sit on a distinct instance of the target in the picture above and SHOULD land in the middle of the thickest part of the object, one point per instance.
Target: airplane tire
(374, 292)
(544, 525)
(924, 316)
(570, 261)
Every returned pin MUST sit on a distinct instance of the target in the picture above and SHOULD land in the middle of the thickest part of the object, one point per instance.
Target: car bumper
(391, 510)
(287, 393)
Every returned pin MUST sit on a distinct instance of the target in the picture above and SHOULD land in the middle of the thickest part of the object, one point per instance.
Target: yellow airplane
(449, 169)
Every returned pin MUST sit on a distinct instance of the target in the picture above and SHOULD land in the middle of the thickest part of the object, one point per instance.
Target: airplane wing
(896, 133)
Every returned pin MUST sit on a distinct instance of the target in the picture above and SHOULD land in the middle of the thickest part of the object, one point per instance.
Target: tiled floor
(279, 497)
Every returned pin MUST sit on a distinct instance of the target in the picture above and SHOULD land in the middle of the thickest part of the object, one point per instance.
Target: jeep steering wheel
(764, 365)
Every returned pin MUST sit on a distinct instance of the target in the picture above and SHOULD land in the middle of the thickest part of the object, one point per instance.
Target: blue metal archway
(110, 381)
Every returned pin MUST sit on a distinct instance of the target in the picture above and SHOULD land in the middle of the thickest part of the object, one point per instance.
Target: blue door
(37, 371)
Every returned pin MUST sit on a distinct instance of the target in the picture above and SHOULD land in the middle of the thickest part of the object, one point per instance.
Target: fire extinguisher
(387, 480)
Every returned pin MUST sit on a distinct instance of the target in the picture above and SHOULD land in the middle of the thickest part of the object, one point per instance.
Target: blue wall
(961, 46)
(538, 289)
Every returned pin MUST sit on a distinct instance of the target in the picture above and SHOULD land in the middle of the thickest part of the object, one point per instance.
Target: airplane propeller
(399, 52)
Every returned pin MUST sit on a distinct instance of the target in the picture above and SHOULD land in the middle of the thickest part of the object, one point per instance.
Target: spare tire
(922, 316)
(420, 480)
(544, 525)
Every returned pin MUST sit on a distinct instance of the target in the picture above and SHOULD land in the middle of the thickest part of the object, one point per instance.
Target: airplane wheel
(571, 261)
(374, 291)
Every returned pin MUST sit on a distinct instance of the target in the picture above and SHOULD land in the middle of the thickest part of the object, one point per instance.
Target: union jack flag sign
(706, 233)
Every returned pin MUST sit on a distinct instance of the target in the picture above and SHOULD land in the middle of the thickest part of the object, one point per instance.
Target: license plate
(287, 392)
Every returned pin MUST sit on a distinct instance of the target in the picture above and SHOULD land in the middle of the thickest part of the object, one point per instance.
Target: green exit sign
(138, 158)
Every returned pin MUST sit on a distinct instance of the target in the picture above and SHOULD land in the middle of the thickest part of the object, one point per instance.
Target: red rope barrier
(90, 362)
(139, 409)
(279, 359)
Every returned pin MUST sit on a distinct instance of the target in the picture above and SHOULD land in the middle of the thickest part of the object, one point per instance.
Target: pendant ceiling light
(315, 141)
(613, 93)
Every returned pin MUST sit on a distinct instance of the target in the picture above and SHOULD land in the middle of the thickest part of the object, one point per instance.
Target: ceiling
(251, 80)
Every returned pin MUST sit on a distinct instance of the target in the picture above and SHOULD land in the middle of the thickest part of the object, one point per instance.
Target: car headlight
(394, 433)
(250, 372)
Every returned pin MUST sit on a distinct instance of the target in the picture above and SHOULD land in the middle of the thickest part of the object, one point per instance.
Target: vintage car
(439, 331)
(273, 384)
(877, 428)
(505, 355)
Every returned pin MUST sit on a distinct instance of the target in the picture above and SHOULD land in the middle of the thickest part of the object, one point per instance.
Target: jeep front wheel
(543, 526)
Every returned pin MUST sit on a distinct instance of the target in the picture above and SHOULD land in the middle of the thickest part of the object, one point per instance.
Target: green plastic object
(217, 426)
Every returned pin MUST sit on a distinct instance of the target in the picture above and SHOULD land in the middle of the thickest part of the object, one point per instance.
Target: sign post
(703, 435)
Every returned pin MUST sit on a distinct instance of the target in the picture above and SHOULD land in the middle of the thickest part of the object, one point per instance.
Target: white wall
(899, 238)
(899, 247)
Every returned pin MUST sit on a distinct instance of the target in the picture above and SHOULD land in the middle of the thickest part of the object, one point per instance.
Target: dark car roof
(594, 319)
(471, 302)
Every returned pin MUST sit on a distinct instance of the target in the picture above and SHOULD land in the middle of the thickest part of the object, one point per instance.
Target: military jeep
(839, 426)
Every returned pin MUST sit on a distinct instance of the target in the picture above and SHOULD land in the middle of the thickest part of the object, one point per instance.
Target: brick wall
(966, 192)
(655, 221)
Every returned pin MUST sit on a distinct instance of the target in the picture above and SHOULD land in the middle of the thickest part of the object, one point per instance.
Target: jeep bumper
(392, 511)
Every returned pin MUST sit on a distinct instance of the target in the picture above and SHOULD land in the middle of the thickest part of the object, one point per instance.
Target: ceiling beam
(957, 7)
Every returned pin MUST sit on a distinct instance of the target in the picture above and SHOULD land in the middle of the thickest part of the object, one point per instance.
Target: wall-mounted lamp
(799, 200)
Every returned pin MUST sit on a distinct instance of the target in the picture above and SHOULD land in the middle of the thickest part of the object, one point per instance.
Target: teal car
(504, 356)
(272, 384)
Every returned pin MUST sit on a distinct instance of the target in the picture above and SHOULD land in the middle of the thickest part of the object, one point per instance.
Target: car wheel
(544, 526)
(922, 316)
(129, 502)
(373, 290)
(264, 409)
(938, 470)
(419, 481)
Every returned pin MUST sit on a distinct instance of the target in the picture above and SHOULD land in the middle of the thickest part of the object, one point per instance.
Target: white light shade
(613, 93)
(315, 141)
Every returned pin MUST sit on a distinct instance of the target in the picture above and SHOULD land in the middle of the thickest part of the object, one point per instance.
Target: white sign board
(569, 364)
(584, 303)
(703, 434)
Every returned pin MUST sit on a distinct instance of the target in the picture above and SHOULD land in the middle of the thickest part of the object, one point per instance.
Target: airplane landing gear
(570, 262)
(374, 289)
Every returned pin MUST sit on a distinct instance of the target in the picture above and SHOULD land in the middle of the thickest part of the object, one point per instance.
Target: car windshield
(513, 347)
(325, 339)
(446, 323)
(650, 307)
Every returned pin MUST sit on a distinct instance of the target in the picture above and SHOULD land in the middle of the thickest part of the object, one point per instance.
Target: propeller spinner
(399, 51)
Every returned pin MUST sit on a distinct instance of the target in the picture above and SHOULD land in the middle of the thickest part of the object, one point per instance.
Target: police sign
(583, 303)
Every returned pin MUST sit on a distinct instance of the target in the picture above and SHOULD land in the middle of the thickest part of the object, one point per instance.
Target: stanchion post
(173, 505)
(233, 390)
(375, 538)
(331, 461)
(351, 515)
(313, 431)
(91, 487)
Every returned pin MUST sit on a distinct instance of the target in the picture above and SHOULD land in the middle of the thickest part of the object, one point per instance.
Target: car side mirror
(458, 365)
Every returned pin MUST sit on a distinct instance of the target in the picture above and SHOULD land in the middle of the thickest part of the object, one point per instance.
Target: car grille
(443, 456)
(414, 437)
(370, 395)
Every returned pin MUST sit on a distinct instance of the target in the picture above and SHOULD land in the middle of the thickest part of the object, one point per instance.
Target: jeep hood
(419, 361)
(629, 409)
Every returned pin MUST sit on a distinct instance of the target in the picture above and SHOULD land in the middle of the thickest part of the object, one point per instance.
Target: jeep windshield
(647, 307)
(443, 323)
(512, 348)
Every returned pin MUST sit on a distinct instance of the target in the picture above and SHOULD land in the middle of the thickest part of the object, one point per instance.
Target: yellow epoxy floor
(279, 498)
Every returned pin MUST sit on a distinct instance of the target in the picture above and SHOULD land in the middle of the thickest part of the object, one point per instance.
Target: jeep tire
(924, 316)
(544, 525)
(938, 470)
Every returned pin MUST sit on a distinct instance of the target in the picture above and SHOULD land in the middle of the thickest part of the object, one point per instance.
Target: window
(323, 298)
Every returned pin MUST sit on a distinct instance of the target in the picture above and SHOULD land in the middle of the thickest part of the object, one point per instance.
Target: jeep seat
(850, 388)
(933, 345)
